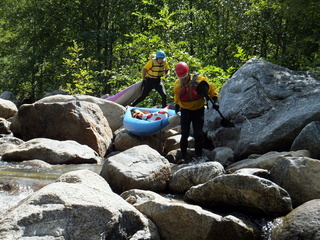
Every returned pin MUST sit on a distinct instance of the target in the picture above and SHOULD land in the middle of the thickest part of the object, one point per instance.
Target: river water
(18, 181)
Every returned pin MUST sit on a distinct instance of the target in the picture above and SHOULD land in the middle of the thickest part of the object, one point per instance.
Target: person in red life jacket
(191, 106)
(152, 72)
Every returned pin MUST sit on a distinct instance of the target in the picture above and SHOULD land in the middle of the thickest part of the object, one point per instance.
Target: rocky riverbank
(257, 181)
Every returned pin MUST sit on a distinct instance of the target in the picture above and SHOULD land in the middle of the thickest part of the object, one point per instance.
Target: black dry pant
(196, 117)
(152, 83)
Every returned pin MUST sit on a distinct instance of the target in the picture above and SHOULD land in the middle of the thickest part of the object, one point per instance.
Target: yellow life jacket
(158, 69)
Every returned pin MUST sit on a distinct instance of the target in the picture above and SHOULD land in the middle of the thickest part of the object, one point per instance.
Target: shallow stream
(18, 181)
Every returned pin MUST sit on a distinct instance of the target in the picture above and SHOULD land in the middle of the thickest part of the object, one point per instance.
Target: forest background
(99, 47)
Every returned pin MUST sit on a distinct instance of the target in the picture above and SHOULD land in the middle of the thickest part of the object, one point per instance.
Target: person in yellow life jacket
(152, 72)
(191, 106)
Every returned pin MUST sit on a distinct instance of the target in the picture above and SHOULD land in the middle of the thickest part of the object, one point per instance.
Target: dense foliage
(99, 47)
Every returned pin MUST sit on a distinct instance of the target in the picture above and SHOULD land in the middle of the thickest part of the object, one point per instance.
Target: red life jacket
(188, 91)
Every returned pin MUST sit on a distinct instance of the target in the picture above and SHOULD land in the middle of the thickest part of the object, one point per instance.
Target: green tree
(215, 37)
(79, 77)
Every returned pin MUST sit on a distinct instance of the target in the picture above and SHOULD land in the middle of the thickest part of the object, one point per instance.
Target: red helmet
(181, 69)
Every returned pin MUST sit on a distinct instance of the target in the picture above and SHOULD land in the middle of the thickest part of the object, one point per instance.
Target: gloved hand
(202, 89)
(177, 108)
(215, 104)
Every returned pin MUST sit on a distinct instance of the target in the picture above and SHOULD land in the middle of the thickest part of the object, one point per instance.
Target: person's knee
(185, 132)
(198, 135)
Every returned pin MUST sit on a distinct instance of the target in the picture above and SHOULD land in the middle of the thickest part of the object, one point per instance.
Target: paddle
(202, 90)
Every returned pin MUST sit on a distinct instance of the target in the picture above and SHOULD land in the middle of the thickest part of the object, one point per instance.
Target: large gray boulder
(265, 161)
(113, 112)
(4, 126)
(301, 223)
(309, 139)
(186, 177)
(181, 221)
(80, 205)
(51, 151)
(8, 143)
(7, 108)
(269, 105)
(124, 140)
(240, 191)
(139, 167)
(299, 176)
(80, 121)
(7, 95)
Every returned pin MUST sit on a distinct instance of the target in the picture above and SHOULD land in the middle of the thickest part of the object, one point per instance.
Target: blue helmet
(160, 54)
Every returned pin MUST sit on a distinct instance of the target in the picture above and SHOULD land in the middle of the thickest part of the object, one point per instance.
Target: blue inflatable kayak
(148, 121)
